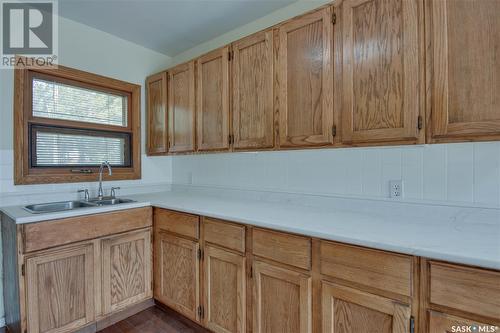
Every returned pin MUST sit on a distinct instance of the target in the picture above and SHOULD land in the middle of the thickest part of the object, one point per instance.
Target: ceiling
(167, 26)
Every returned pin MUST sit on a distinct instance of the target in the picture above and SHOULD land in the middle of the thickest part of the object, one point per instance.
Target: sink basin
(72, 205)
(57, 206)
(110, 201)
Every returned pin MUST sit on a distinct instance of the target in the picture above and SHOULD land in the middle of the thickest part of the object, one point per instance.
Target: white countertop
(457, 234)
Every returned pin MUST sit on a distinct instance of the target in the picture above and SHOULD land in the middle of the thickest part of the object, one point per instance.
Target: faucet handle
(113, 191)
(87, 195)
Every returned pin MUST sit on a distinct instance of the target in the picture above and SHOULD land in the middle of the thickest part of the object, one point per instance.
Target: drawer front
(285, 248)
(378, 269)
(178, 223)
(231, 236)
(468, 289)
(43, 235)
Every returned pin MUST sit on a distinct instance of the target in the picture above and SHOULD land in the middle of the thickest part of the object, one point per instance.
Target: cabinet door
(213, 100)
(60, 289)
(444, 323)
(126, 270)
(253, 113)
(177, 280)
(464, 68)
(305, 80)
(157, 139)
(381, 70)
(224, 291)
(282, 300)
(347, 310)
(181, 110)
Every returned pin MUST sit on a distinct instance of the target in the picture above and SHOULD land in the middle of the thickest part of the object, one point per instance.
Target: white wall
(90, 50)
(280, 15)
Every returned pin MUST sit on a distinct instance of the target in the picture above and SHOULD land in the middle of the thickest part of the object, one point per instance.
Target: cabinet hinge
(200, 254)
(230, 139)
(230, 55)
(251, 272)
(412, 324)
(201, 312)
(334, 18)
(419, 122)
(23, 270)
(334, 130)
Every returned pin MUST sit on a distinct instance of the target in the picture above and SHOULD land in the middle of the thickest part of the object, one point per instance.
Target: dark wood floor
(152, 320)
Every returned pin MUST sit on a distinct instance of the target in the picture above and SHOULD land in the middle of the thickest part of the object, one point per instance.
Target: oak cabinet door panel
(305, 80)
(126, 270)
(347, 310)
(177, 279)
(253, 112)
(181, 110)
(60, 289)
(225, 291)
(444, 323)
(282, 300)
(381, 70)
(212, 93)
(157, 140)
(464, 68)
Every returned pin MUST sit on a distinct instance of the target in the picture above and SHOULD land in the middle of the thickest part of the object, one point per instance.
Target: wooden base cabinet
(233, 278)
(76, 273)
(177, 274)
(348, 310)
(60, 289)
(225, 291)
(126, 270)
(282, 300)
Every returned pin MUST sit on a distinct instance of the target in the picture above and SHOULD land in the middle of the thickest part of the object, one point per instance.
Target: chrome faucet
(100, 193)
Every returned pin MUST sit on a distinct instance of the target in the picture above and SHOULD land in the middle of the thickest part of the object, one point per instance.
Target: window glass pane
(61, 101)
(53, 148)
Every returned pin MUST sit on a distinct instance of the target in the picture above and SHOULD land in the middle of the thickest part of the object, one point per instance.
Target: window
(67, 122)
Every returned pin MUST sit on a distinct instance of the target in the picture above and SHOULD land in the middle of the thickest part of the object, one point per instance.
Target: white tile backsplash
(463, 174)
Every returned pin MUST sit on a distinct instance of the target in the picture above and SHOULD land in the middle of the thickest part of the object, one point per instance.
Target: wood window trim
(24, 174)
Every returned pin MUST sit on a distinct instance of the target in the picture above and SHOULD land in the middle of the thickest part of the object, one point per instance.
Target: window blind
(59, 149)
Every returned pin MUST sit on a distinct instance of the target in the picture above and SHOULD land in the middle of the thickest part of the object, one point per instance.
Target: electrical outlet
(396, 189)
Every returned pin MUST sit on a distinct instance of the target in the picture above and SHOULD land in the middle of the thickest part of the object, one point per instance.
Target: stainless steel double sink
(53, 207)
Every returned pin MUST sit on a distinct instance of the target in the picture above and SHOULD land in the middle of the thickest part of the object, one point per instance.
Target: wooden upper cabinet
(252, 74)
(282, 300)
(177, 277)
(212, 73)
(181, 108)
(347, 310)
(157, 140)
(60, 289)
(305, 79)
(381, 70)
(464, 69)
(126, 269)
